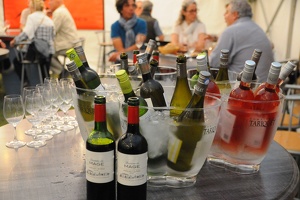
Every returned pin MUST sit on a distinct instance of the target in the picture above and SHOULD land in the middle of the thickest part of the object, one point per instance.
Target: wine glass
(13, 111)
(139, 40)
(65, 93)
(33, 105)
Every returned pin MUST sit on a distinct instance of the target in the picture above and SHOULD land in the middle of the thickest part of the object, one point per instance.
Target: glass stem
(15, 134)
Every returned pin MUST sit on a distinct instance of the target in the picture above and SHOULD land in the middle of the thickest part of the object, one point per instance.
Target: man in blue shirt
(125, 31)
(241, 37)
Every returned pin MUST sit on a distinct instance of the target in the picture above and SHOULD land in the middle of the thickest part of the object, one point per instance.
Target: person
(38, 26)
(126, 29)
(189, 31)
(241, 37)
(24, 14)
(153, 29)
(139, 8)
(66, 32)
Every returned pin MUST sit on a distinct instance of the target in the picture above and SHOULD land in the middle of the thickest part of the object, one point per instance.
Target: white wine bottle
(190, 126)
(222, 79)
(132, 158)
(100, 154)
(182, 93)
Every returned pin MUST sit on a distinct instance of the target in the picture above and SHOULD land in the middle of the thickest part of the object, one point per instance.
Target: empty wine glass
(33, 105)
(139, 39)
(65, 93)
(13, 112)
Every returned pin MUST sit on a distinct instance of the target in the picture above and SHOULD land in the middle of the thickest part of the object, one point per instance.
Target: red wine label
(133, 114)
(100, 112)
(132, 169)
(99, 166)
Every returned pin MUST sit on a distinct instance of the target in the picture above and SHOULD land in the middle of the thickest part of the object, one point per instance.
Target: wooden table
(57, 171)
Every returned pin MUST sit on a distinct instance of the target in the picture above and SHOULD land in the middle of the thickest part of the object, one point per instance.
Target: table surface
(57, 171)
(3, 53)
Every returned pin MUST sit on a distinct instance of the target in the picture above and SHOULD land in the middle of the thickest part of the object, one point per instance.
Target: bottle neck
(133, 119)
(83, 59)
(245, 85)
(181, 70)
(100, 117)
(124, 64)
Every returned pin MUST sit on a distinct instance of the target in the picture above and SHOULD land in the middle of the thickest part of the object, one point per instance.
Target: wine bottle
(255, 57)
(132, 156)
(189, 128)
(222, 79)
(182, 93)
(151, 45)
(155, 55)
(202, 66)
(285, 71)
(76, 75)
(89, 76)
(135, 52)
(80, 52)
(268, 92)
(150, 88)
(100, 154)
(124, 61)
(153, 67)
(127, 91)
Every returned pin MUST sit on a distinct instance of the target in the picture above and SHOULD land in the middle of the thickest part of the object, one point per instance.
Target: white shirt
(188, 34)
(66, 31)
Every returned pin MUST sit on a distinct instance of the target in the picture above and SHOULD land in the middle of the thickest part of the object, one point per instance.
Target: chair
(27, 63)
(105, 45)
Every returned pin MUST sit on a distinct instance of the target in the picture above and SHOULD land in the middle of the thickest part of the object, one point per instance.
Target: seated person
(241, 37)
(39, 26)
(153, 29)
(125, 30)
(189, 32)
(65, 33)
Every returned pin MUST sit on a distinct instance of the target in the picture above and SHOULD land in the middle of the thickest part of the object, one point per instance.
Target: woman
(39, 26)
(125, 31)
(189, 32)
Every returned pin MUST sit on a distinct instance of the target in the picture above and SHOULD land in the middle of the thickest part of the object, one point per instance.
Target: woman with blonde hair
(189, 32)
(38, 26)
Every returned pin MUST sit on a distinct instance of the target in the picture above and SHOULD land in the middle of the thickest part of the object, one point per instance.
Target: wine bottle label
(227, 121)
(99, 166)
(258, 127)
(174, 147)
(132, 169)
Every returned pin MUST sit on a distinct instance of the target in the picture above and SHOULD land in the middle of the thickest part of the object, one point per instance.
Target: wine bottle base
(171, 181)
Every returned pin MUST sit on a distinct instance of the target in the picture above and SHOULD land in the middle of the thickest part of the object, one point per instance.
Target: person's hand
(114, 56)
(2, 44)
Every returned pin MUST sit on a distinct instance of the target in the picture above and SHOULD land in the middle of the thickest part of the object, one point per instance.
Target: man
(125, 30)
(241, 37)
(139, 8)
(153, 29)
(66, 32)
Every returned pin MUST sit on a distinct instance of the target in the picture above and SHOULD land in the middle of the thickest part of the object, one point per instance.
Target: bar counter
(57, 171)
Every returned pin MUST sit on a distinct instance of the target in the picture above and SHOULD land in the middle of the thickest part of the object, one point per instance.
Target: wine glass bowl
(139, 40)
(13, 112)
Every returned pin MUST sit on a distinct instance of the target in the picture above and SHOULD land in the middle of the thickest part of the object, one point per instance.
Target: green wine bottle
(127, 91)
(189, 128)
(76, 75)
(80, 52)
(100, 154)
(132, 156)
(150, 88)
(222, 79)
(199, 68)
(182, 93)
(89, 76)
(124, 61)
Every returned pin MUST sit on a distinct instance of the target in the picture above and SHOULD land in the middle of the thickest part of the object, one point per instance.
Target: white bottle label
(99, 166)
(174, 147)
(227, 123)
(132, 169)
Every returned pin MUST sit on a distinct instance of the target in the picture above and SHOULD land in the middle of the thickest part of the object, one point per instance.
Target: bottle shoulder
(132, 143)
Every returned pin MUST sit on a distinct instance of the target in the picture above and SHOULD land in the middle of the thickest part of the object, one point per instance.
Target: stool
(28, 63)
(105, 45)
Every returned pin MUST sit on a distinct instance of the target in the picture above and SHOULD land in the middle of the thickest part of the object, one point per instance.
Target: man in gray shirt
(241, 37)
